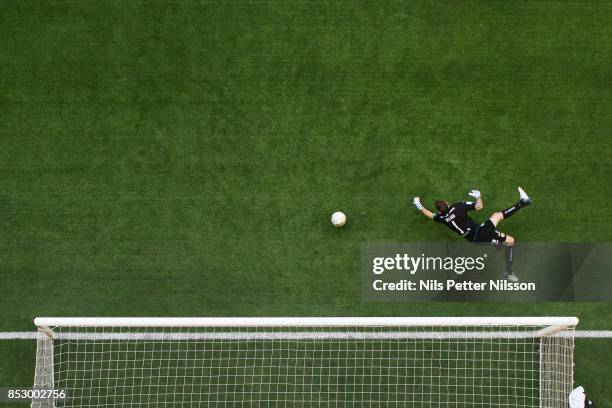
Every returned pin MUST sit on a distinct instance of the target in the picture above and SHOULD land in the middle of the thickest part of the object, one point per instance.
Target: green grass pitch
(183, 158)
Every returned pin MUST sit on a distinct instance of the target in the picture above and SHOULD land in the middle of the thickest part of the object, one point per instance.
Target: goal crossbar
(561, 322)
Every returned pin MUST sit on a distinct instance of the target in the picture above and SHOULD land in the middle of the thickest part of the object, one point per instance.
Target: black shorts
(486, 232)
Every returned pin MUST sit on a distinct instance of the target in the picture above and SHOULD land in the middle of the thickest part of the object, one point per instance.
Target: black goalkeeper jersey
(457, 219)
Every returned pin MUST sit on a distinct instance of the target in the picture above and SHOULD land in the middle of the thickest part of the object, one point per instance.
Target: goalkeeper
(456, 218)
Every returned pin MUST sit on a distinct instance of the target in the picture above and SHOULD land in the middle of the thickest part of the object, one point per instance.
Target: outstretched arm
(423, 210)
(476, 195)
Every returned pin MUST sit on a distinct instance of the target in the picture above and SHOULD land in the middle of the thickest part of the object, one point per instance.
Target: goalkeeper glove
(417, 203)
(475, 194)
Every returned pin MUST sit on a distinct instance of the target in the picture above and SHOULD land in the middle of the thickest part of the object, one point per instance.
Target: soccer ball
(338, 219)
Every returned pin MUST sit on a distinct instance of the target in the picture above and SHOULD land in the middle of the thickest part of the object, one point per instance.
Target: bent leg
(496, 218)
(522, 202)
(508, 212)
(509, 246)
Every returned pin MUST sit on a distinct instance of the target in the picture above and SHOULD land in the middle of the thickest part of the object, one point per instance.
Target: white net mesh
(509, 366)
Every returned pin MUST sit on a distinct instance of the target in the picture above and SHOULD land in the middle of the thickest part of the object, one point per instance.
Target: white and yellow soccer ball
(338, 219)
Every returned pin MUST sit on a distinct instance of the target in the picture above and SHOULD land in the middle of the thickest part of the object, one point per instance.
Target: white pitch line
(593, 334)
(17, 335)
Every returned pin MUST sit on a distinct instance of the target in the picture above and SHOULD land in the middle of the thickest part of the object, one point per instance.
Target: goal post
(307, 361)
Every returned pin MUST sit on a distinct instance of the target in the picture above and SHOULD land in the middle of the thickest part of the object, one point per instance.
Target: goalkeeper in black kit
(456, 217)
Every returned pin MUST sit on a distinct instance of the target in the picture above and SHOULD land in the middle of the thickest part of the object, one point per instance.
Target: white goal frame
(302, 321)
(547, 331)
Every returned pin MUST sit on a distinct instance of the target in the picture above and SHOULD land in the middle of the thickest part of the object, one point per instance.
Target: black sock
(508, 212)
(509, 259)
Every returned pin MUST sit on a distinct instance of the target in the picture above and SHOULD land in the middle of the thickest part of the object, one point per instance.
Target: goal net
(306, 362)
